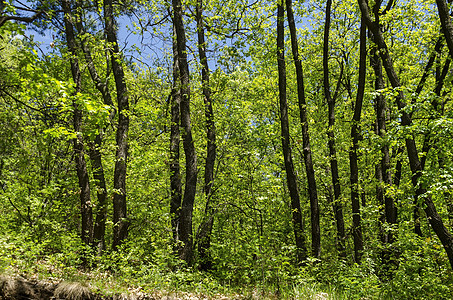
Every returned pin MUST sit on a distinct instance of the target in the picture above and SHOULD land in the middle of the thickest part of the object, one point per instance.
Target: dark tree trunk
(447, 195)
(204, 240)
(426, 72)
(398, 167)
(384, 175)
(314, 207)
(185, 228)
(381, 111)
(434, 218)
(440, 82)
(95, 147)
(120, 222)
(445, 21)
(440, 78)
(353, 161)
(291, 178)
(175, 172)
(101, 214)
(82, 173)
(337, 207)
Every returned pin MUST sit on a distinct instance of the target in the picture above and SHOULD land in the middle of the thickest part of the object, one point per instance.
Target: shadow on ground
(18, 288)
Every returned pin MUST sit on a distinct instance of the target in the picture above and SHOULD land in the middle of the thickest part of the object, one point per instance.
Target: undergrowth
(128, 271)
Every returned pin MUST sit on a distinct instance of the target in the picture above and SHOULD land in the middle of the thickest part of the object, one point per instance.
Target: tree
(95, 146)
(185, 226)
(120, 220)
(204, 238)
(175, 174)
(82, 173)
(291, 178)
(5, 17)
(430, 209)
(337, 207)
(447, 26)
(355, 135)
(383, 170)
(315, 229)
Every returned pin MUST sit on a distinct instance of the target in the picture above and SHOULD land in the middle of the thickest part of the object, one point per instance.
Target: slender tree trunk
(314, 207)
(426, 73)
(204, 242)
(440, 78)
(120, 222)
(398, 166)
(427, 70)
(175, 173)
(425, 148)
(353, 161)
(434, 218)
(185, 228)
(82, 173)
(95, 147)
(381, 108)
(447, 194)
(440, 83)
(337, 207)
(384, 176)
(101, 214)
(291, 178)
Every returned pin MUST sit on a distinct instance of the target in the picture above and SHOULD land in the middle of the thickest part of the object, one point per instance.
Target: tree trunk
(175, 173)
(314, 207)
(434, 218)
(291, 178)
(82, 173)
(95, 147)
(445, 21)
(353, 161)
(185, 228)
(440, 78)
(101, 214)
(120, 222)
(204, 241)
(384, 175)
(337, 206)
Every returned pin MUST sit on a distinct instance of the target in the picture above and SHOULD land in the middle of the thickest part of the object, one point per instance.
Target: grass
(180, 284)
(124, 273)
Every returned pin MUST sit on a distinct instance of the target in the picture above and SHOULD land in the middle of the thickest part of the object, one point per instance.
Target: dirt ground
(20, 288)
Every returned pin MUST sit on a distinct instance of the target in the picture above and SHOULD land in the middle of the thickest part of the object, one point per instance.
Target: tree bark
(120, 222)
(185, 228)
(175, 172)
(445, 21)
(99, 178)
(337, 206)
(314, 207)
(82, 173)
(204, 241)
(440, 79)
(291, 178)
(95, 147)
(353, 160)
(384, 175)
(434, 218)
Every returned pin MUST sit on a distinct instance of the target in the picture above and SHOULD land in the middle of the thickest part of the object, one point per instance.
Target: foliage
(252, 240)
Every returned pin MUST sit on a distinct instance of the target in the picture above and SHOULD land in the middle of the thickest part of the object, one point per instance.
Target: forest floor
(42, 279)
(22, 288)
(18, 287)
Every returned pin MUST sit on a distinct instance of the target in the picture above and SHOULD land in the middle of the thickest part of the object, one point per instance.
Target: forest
(227, 149)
